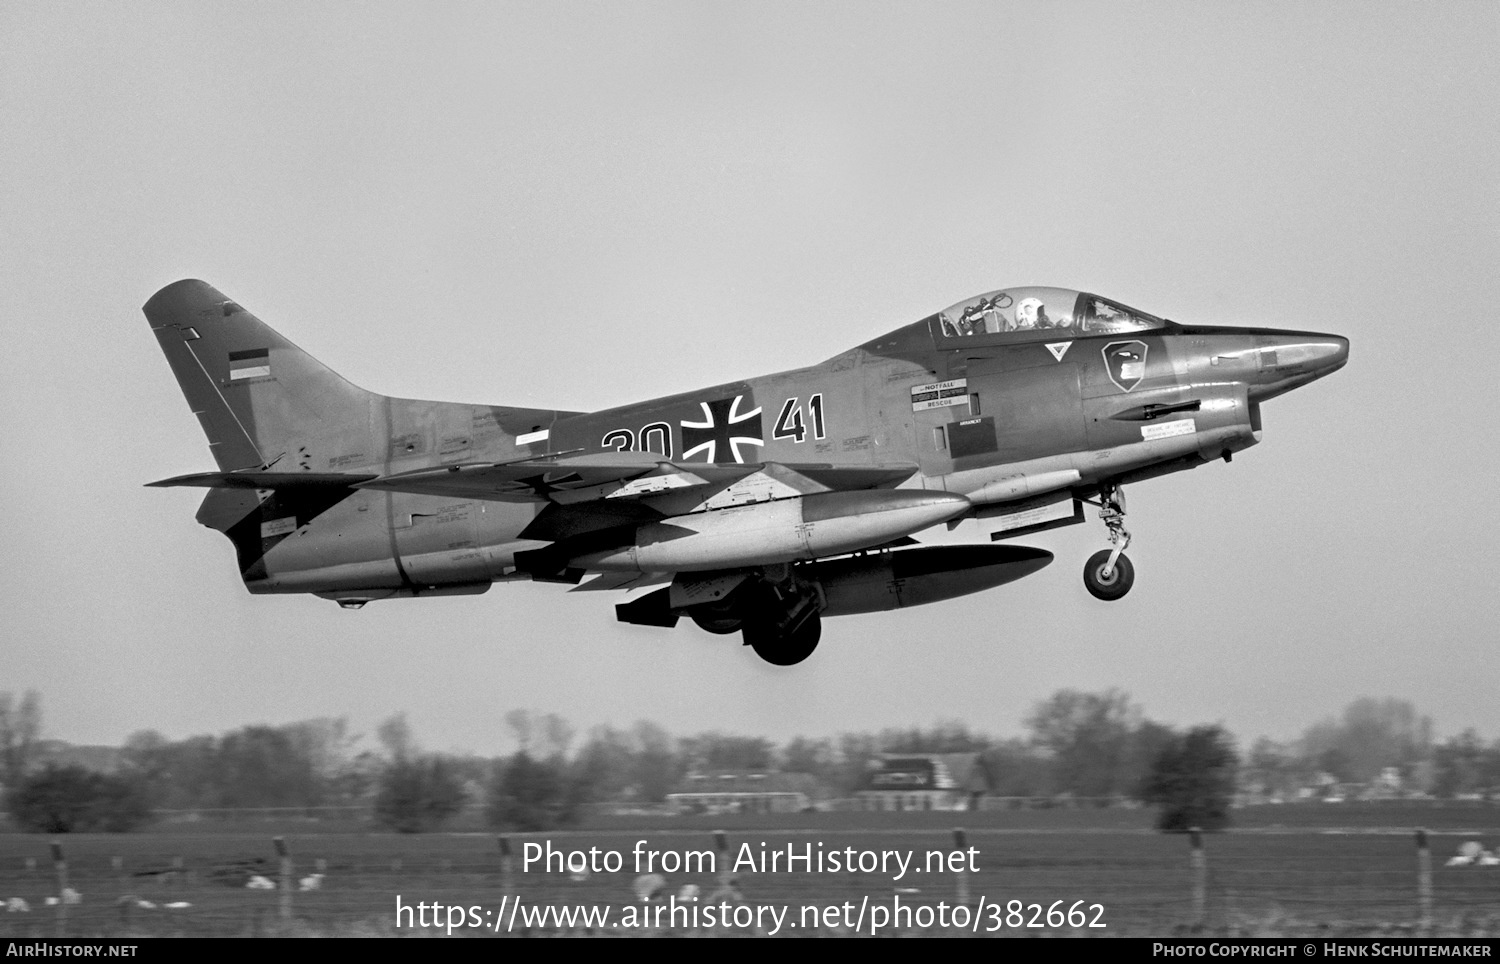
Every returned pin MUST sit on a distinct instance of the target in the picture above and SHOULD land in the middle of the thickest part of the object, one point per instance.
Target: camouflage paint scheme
(1024, 402)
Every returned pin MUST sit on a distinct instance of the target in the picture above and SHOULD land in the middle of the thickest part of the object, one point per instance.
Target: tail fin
(258, 396)
(291, 437)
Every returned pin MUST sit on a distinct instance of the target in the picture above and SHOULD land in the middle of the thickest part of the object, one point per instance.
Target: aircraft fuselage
(1009, 407)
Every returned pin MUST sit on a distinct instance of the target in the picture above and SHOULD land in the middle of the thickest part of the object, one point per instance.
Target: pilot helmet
(1026, 312)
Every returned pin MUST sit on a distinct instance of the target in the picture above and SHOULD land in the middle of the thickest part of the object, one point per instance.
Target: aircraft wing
(616, 475)
(554, 479)
(262, 480)
(565, 480)
(529, 479)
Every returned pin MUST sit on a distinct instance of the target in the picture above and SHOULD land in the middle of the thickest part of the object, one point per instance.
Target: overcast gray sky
(577, 205)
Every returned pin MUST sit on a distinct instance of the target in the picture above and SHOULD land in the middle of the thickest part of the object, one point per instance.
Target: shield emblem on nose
(1126, 363)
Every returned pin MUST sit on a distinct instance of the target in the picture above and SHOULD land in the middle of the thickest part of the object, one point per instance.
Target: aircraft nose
(1288, 359)
(1329, 354)
(1309, 352)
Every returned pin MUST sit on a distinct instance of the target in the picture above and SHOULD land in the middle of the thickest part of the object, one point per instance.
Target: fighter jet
(890, 475)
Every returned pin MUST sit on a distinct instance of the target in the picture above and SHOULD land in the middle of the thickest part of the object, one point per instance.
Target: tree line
(1079, 745)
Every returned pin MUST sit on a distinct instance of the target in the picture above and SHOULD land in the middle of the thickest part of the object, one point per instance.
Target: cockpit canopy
(1012, 314)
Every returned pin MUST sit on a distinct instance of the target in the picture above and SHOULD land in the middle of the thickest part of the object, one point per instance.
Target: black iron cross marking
(722, 431)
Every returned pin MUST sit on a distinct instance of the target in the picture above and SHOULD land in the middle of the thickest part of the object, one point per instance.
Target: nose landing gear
(1108, 574)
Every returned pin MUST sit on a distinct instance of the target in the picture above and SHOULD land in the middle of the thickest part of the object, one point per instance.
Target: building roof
(957, 772)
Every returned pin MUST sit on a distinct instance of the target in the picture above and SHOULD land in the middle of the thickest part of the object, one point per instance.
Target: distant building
(738, 792)
(926, 781)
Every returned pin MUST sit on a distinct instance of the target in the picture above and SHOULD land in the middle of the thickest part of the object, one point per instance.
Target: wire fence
(1142, 883)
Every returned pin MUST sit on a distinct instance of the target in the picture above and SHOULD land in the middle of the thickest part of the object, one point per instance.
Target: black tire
(1119, 581)
(784, 650)
(712, 620)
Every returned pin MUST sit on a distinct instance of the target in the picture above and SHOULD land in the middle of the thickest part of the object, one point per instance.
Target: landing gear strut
(1108, 574)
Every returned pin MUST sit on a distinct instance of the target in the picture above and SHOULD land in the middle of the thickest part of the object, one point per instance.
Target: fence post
(505, 866)
(286, 878)
(724, 866)
(960, 842)
(125, 900)
(60, 867)
(1424, 882)
(1200, 877)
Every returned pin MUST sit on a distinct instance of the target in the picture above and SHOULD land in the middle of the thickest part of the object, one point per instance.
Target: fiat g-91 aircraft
(887, 476)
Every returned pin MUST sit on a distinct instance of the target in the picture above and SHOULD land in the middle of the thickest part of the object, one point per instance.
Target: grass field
(1284, 870)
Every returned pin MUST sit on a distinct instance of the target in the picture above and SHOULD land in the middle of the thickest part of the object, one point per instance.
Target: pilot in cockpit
(1030, 314)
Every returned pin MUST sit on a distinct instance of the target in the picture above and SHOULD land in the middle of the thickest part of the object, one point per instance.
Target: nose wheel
(1108, 574)
(1105, 580)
